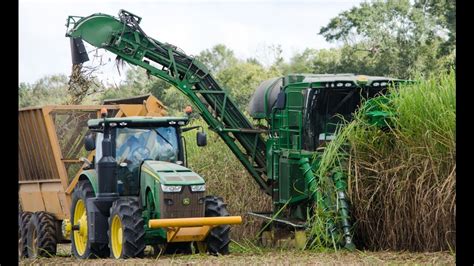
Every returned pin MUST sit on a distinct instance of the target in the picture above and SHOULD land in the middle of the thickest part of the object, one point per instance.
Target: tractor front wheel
(217, 242)
(126, 229)
(79, 238)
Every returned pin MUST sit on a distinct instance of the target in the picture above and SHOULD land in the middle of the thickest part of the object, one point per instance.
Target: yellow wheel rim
(116, 236)
(80, 236)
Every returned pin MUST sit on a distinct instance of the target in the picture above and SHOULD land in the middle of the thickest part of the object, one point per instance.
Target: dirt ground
(239, 257)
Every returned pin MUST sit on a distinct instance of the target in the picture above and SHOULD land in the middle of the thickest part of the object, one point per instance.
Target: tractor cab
(136, 140)
(140, 175)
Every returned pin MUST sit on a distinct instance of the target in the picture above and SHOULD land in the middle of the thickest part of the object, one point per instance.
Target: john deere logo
(186, 201)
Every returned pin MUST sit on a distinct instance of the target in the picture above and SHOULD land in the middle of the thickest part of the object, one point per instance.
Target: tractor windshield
(137, 144)
(134, 145)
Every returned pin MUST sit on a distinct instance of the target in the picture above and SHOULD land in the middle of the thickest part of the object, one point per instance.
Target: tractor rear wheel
(41, 237)
(126, 229)
(23, 224)
(217, 242)
(79, 238)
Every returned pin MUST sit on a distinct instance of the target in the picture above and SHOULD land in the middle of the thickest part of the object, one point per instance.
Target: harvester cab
(144, 193)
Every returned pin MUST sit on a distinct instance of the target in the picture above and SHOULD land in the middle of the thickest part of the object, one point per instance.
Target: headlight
(171, 188)
(197, 188)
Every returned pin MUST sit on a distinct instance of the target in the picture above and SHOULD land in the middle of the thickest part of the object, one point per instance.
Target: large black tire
(83, 191)
(41, 236)
(23, 224)
(218, 240)
(129, 213)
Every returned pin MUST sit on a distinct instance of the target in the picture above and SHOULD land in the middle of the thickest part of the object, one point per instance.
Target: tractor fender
(148, 189)
(90, 175)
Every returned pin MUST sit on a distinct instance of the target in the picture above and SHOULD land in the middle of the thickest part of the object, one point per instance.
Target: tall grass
(226, 177)
(401, 181)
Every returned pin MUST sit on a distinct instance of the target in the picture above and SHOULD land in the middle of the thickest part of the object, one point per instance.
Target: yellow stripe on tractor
(191, 229)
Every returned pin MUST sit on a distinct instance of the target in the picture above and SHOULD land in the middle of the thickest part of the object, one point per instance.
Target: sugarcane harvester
(301, 111)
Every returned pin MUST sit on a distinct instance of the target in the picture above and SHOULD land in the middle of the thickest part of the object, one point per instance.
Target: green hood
(171, 174)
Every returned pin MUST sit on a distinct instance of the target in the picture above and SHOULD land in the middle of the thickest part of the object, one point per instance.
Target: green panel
(270, 156)
(98, 28)
(295, 99)
(150, 183)
(291, 181)
(284, 181)
(294, 118)
(171, 174)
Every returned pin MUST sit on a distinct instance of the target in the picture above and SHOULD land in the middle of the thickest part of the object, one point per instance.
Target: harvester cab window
(324, 110)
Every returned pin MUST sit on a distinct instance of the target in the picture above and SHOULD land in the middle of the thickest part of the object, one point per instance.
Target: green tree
(444, 12)
(50, 89)
(394, 37)
(320, 61)
(217, 58)
(241, 80)
(138, 82)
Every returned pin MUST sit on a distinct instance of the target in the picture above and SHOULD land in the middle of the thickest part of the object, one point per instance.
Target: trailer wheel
(41, 237)
(23, 224)
(126, 229)
(218, 240)
(79, 238)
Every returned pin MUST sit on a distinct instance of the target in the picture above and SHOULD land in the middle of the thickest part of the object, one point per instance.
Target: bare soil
(279, 257)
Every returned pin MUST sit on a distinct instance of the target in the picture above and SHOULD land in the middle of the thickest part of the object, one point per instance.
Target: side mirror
(89, 143)
(280, 101)
(201, 139)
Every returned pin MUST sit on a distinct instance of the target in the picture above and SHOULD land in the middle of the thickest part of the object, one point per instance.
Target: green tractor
(137, 191)
(300, 113)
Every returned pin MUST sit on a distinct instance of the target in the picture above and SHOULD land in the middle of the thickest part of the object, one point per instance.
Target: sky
(246, 27)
